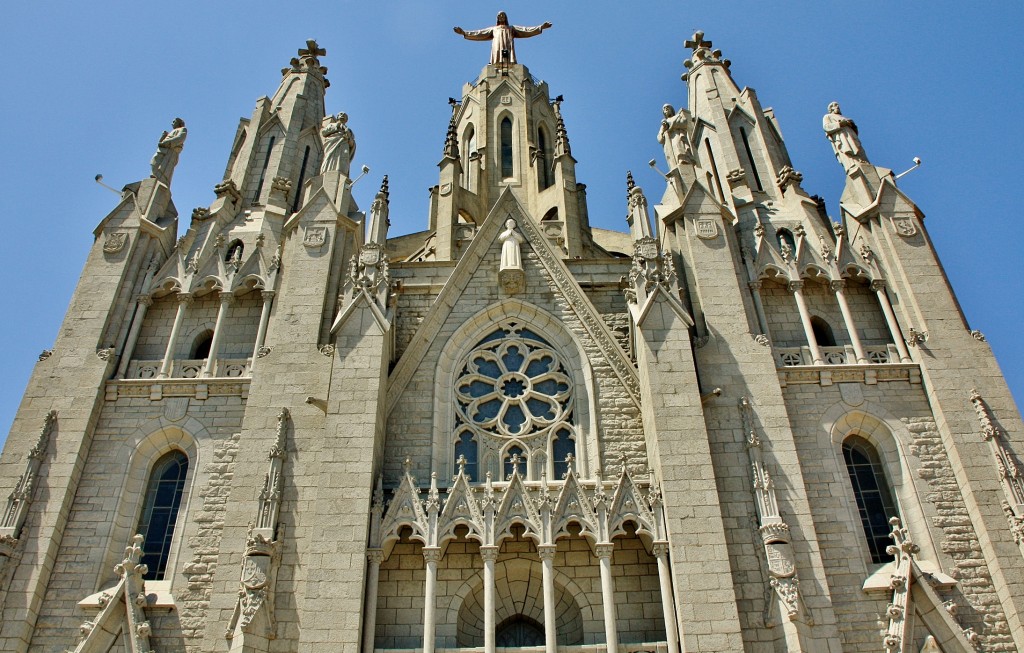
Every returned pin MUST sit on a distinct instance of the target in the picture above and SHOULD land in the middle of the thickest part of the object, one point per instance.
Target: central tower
(507, 132)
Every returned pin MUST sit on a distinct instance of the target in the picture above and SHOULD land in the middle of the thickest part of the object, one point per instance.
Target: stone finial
(308, 61)
(702, 52)
(379, 220)
(451, 141)
(630, 184)
(561, 135)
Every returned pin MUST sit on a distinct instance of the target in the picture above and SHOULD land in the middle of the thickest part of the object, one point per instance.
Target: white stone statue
(511, 239)
(502, 37)
(842, 133)
(673, 136)
(339, 144)
(167, 152)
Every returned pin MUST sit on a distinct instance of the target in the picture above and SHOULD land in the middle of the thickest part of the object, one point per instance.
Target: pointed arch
(152, 442)
(545, 159)
(506, 150)
(887, 435)
(576, 366)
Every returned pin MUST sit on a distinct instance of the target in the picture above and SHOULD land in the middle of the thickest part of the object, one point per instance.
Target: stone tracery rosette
(513, 393)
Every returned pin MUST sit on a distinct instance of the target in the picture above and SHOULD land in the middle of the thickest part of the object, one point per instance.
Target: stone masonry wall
(194, 599)
(97, 529)
(410, 430)
(930, 503)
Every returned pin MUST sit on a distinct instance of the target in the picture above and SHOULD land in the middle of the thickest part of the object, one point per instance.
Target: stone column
(796, 287)
(851, 328)
(226, 298)
(489, 554)
(762, 319)
(261, 333)
(890, 318)
(184, 299)
(611, 633)
(374, 557)
(547, 559)
(668, 608)
(431, 554)
(142, 304)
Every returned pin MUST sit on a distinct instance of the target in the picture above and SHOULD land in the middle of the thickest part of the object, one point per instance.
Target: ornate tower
(507, 132)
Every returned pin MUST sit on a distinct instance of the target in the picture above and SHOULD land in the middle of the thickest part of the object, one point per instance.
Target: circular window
(513, 385)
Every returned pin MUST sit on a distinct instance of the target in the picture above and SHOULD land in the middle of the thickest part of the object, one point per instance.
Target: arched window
(160, 511)
(874, 498)
(470, 156)
(515, 458)
(201, 346)
(545, 170)
(466, 450)
(519, 631)
(302, 179)
(563, 446)
(750, 158)
(822, 332)
(513, 396)
(263, 171)
(714, 169)
(507, 169)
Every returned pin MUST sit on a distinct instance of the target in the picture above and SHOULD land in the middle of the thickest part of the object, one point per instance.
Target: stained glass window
(160, 511)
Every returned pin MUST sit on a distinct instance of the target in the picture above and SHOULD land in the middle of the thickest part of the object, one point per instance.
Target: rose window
(512, 392)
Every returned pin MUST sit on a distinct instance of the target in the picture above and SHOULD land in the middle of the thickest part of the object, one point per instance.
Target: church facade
(737, 426)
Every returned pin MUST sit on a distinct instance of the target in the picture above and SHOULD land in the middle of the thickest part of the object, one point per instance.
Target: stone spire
(308, 62)
(277, 142)
(638, 217)
(379, 221)
(561, 135)
(519, 144)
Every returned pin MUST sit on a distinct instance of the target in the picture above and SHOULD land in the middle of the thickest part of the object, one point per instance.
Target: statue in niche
(339, 144)
(502, 37)
(168, 149)
(673, 136)
(842, 133)
(511, 275)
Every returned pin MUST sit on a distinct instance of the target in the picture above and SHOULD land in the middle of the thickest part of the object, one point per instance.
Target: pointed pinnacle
(384, 187)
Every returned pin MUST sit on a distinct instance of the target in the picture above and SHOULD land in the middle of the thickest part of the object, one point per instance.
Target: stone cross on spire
(697, 42)
(307, 61)
(312, 50)
(702, 53)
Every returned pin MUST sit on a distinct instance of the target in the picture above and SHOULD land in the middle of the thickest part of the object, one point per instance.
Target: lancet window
(160, 511)
(507, 167)
(513, 405)
(874, 498)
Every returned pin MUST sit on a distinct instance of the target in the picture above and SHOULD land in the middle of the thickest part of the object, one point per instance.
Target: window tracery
(513, 400)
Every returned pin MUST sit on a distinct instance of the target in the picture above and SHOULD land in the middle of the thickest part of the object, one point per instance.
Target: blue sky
(90, 88)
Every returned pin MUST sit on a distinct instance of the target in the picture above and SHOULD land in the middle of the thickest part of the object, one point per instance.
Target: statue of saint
(167, 152)
(502, 37)
(673, 136)
(339, 144)
(842, 133)
(511, 239)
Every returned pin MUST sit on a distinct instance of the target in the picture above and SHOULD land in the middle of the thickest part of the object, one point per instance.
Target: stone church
(736, 425)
